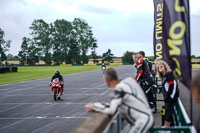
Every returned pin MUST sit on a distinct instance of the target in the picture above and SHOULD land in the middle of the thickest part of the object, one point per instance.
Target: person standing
(170, 90)
(103, 67)
(141, 54)
(145, 79)
(129, 99)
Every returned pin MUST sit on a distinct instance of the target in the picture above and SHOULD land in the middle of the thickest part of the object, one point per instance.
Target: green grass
(33, 73)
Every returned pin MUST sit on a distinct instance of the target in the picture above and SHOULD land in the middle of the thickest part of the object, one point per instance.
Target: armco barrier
(101, 123)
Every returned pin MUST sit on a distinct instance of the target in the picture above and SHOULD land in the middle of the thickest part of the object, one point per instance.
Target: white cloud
(195, 7)
(125, 6)
(118, 24)
(37, 2)
(64, 8)
(59, 6)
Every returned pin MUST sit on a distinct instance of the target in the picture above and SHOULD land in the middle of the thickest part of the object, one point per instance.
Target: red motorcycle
(56, 88)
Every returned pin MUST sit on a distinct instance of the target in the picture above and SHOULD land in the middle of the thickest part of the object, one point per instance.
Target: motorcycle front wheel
(55, 95)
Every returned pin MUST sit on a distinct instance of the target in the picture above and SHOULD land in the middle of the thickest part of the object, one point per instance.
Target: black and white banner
(172, 36)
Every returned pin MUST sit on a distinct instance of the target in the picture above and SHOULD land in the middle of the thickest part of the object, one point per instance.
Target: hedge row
(112, 64)
(195, 66)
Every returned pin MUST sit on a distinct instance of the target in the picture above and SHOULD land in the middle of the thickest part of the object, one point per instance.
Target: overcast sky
(120, 25)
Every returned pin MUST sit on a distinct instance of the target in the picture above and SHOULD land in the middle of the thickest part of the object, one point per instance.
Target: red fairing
(171, 82)
(55, 84)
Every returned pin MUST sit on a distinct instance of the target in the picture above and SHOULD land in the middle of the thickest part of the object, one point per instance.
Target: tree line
(4, 46)
(58, 42)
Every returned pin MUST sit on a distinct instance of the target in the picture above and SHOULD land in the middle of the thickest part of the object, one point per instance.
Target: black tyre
(55, 95)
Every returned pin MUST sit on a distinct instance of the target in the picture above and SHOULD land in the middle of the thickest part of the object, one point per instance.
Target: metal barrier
(116, 125)
(182, 121)
(176, 129)
(157, 86)
(101, 123)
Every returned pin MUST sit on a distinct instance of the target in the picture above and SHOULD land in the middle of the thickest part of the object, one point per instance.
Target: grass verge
(33, 73)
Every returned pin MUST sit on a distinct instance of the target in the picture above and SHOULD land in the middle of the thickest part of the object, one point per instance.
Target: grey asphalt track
(28, 107)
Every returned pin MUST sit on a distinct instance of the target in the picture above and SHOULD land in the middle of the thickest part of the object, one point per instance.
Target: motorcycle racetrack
(29, 107)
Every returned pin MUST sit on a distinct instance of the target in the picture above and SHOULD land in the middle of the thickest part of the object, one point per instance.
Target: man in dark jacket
(145, 80)
(60, 77)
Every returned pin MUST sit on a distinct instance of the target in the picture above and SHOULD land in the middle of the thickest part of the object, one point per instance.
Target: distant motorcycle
(103, 68)
(56, 88)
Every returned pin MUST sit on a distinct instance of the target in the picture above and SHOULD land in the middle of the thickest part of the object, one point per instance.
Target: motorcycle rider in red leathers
(145, 80)
(60, 77)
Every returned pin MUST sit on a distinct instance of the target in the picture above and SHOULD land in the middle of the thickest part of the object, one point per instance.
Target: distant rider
(103, 66)
(60, 77)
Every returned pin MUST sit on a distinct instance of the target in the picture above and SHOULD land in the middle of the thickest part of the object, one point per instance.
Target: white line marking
(61, 96)
(32, 118)
(44, 117)
(41, 117)
(10, 125)
(43, 127)
(43, 103)
(10, 108)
